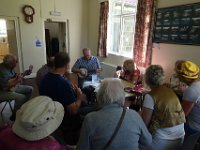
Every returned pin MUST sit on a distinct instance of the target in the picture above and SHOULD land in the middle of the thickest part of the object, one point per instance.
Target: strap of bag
(116, 129)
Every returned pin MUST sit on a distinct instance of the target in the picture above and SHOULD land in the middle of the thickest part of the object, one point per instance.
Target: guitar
(17, 79)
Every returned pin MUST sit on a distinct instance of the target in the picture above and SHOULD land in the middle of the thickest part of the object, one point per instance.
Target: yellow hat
(189, 70)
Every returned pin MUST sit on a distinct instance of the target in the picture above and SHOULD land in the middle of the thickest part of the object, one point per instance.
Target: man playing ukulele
(9, 79)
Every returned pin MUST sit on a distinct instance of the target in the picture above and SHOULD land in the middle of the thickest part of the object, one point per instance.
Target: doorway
(56, 37)
(10, 39)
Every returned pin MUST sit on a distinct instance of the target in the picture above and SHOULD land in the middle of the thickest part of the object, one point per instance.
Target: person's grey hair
(154, 75)
(86, 49)
(111, 91)
(8, 59)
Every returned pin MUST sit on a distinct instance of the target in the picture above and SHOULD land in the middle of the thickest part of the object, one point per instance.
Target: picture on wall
(178, 24)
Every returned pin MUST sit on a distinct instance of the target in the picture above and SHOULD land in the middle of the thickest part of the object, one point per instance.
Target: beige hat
(38, 118)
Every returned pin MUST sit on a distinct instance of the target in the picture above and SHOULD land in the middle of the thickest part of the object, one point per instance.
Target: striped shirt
(91, 65)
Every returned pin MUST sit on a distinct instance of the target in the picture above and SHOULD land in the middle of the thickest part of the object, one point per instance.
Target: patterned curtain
(144, 32)
(102, 39)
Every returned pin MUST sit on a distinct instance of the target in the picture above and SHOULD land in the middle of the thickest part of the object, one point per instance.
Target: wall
(163, 54)
(73, 10)
(167, 54)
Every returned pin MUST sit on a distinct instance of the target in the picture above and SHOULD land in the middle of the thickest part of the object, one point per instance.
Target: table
(133, 99)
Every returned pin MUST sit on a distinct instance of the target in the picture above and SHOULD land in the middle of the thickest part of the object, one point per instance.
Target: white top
(192, 94)
(170, 133)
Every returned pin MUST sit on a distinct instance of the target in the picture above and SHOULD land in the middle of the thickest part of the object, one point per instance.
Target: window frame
(122, 16)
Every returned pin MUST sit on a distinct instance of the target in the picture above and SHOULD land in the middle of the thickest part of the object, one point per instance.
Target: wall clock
(28, 12)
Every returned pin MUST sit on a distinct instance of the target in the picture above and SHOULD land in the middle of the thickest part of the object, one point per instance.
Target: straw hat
(189, 70)
(38, 118)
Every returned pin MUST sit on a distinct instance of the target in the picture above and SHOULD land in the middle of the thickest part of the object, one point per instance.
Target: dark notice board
(179, 24)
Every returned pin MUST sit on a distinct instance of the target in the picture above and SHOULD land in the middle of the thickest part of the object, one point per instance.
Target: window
(121, 27)
(3, 30)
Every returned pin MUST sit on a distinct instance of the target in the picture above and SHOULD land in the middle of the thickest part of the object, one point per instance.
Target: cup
(94, 78)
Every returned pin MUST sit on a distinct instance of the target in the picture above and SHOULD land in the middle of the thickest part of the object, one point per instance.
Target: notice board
(178, 24)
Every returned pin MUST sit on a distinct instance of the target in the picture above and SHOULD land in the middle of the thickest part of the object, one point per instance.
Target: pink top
(10, 141)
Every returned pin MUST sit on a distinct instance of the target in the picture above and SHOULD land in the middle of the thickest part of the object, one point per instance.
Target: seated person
(191, 96)
(44, 70)
(86, 66)
(129, 72)
(162, 112)
(60, 89)
(35, 121)
(99, 126)
(10, 83)
(177, 85)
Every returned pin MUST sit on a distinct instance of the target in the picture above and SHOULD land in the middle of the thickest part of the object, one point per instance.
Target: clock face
(28, 10)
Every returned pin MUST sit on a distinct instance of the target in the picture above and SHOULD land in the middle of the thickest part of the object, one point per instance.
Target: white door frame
(67, 40)
(18, 39)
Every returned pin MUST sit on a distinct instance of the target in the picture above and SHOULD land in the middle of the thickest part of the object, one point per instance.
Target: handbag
(116, 129)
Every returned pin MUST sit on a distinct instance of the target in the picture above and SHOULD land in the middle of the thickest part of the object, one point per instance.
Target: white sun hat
(38, 118)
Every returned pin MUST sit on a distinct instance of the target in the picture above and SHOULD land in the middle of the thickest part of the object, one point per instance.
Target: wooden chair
(4, 106)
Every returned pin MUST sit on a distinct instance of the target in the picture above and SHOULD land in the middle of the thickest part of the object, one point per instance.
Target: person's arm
(73, 108)
(84, 139)
(188, 100)
(99, 69)
(146, 114)
(145, 138)
(75, 68)
(187, 106)
(147, 109)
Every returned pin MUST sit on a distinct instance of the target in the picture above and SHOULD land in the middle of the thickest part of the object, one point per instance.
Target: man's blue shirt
(58, 88)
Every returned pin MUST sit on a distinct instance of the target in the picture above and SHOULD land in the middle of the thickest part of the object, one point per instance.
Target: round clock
(28, 12)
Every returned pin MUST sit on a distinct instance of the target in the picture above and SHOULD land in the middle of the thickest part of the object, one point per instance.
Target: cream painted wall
(74, 10)
(163, 54)
(167, 54)
(94, 9)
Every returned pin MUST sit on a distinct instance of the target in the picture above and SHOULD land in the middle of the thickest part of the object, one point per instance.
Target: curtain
(142, 52)
(102, 39)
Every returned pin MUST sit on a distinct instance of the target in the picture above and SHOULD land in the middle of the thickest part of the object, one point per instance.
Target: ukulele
(17, 79)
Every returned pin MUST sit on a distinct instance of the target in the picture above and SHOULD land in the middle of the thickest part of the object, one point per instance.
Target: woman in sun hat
(191, 96)
(35, 121)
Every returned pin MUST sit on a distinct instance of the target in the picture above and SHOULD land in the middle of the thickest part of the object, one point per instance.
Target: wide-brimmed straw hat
(189, 70)
(38, 118)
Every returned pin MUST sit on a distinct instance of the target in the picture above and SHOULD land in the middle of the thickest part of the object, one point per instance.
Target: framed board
(179, 24)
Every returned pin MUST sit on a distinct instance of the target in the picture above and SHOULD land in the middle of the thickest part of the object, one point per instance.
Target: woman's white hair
(111, 91)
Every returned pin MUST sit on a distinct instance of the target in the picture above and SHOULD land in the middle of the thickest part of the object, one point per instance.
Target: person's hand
(78, 92)
(98, 70)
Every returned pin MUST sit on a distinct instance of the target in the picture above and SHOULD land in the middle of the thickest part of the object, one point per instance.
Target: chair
(190, 142)
(4, 106)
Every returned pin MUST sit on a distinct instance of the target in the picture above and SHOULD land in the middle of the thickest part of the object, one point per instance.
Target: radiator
(108, 70)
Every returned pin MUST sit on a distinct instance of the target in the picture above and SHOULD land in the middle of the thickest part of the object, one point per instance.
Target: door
(56, 36)
(11, 40)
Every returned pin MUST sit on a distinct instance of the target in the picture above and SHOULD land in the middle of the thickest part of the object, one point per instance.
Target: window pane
(129, 8)
(117, 8)
(128, 34)
(115, 34)
(3, 30)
